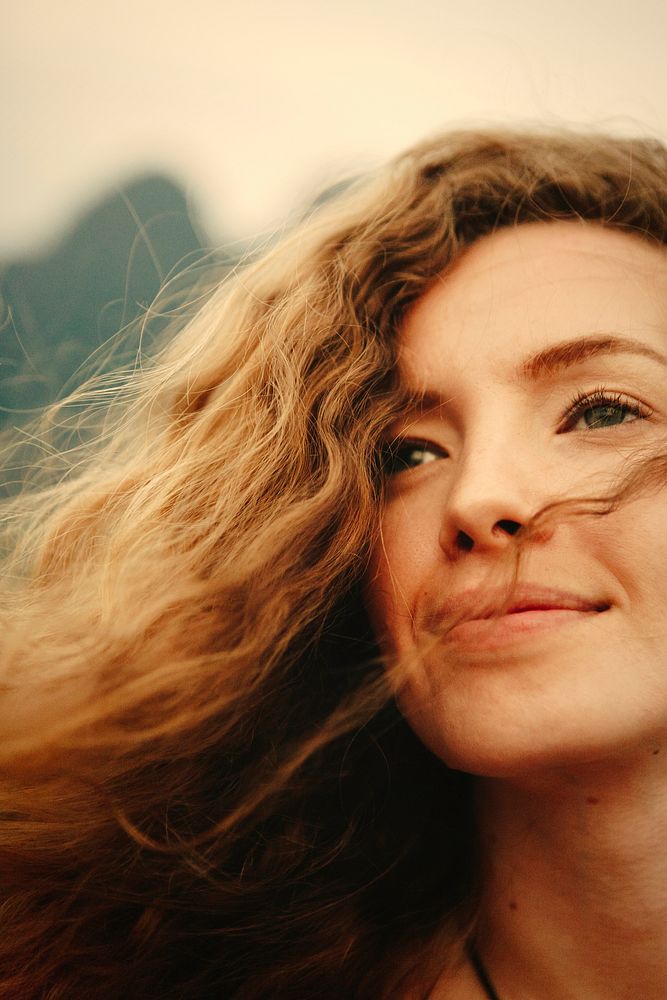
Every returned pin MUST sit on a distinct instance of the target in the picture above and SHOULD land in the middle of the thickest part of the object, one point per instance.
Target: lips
(486, 602)
(486, 622)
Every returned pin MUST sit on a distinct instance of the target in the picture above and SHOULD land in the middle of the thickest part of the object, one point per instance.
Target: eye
(599, 409)
(401, 455)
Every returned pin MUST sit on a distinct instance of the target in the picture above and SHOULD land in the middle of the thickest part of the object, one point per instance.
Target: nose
(491, 499)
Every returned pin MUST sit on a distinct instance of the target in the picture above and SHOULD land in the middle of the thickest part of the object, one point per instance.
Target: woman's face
(542, 359)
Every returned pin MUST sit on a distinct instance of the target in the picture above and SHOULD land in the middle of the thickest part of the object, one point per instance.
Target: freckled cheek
(395, 581)
(638, 560)
(378, 589)
(631, 545)
(411, 543)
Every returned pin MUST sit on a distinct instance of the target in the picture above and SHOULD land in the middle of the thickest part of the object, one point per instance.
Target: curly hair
(207, 789)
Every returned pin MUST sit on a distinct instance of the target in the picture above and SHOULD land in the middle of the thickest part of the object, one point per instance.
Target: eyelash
(392, 454)
(578, 405)
(584, 401)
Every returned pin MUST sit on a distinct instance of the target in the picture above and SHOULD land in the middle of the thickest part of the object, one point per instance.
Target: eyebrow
(565, 354)
(573, 352)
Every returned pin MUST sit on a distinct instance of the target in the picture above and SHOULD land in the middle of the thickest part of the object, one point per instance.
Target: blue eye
(399, 456)
(600, 409)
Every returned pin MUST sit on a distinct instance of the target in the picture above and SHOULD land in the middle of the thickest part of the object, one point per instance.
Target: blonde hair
(207, 789)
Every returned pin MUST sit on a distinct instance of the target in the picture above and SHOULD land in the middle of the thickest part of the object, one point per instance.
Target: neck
(575, 875)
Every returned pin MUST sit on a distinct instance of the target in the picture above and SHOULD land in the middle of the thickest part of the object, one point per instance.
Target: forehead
(524, 288)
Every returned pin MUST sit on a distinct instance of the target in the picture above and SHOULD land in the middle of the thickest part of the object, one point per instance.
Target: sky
(253, 107)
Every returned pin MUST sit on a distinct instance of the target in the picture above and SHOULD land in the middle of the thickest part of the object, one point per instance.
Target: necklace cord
(482, 974)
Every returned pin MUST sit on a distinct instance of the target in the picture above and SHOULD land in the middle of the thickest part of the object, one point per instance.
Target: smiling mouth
(526, 606)
(488, 617)
(519, 624)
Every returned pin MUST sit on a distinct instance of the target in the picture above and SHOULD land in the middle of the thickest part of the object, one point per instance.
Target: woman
(335, 669)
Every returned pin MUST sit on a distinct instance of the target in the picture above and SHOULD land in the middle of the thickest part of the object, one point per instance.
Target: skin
(564, 723)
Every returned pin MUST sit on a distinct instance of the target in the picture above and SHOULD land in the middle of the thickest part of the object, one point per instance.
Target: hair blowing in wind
(207, 789)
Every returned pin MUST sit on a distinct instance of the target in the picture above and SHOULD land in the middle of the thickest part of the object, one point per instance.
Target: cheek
(632, 545)
(402, 562)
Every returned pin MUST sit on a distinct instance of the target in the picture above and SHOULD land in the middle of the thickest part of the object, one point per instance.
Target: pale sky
(252, 106)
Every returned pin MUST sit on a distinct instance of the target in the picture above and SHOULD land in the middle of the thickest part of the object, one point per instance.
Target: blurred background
(143, 140)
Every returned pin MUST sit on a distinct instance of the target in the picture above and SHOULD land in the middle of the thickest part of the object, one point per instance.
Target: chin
(514, 750)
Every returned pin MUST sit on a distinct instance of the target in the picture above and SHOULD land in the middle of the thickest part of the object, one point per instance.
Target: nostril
(464, 543)
(509, 527)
